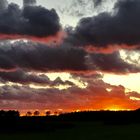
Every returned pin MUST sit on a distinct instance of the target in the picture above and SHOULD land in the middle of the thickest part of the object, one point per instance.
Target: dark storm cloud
(30, 56)
(112, 63)
(39, 57)
(6, 63)
(20, 76)
(31, 20)
(26, 78)
(105, 29)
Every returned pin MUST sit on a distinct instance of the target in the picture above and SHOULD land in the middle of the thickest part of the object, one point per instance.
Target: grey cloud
(32, 56)
(106, 29)
(39, 57)
(71, 98)
(31, 21)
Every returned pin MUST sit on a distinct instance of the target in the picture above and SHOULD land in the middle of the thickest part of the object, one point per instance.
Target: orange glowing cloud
(97, 95)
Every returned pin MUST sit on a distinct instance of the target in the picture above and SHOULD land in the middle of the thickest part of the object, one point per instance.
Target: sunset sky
(68, 55)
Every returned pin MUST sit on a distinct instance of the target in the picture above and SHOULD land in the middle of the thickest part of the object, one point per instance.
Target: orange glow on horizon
(87, 98)
(42, 113)
(116, 108)
(103, 105)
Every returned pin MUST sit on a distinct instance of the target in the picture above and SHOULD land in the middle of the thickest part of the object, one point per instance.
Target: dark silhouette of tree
(56, 113)
(138, 109)
(60, 112)
(2, 113)
(48, 113)
(36, 113)
(29, 114)
(12, 113)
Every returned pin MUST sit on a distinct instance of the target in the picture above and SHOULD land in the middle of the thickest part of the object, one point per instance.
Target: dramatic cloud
(112, 63)
(30, 21)
(93, 46)
(118, 28)
(30, 56)
(39, 57)
(98, 95)
(21, 77)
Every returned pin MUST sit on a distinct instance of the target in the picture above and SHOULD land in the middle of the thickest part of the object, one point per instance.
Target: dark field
(77, 126)
(83, 131)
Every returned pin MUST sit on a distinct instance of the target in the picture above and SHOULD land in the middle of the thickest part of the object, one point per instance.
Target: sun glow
(116, 108)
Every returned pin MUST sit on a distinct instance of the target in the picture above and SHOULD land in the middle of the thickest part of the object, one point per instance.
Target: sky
(62, 55)
(69, 10)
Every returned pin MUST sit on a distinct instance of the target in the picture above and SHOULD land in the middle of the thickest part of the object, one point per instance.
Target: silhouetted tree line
(9, 114)
(11, 121)
(36, 113)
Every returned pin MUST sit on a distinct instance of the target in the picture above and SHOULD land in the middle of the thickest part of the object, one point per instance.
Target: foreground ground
(82, 131)
(96, 125)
